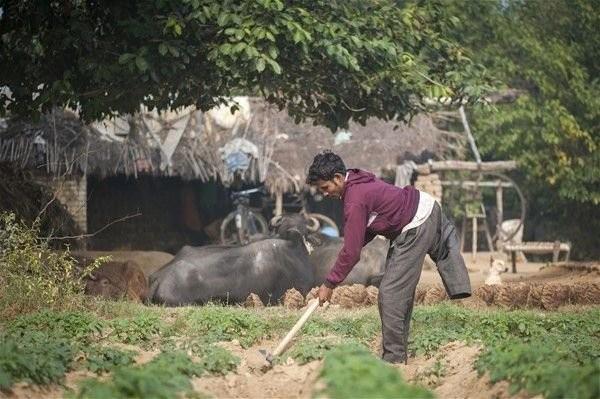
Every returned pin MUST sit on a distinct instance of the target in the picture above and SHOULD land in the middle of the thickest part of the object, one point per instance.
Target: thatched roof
(194, 145)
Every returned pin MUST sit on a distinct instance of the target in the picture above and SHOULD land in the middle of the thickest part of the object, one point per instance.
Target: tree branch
(78, 237)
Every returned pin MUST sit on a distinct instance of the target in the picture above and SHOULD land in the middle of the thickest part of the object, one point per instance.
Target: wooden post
(278, 203)
(555, 251)
(474, 240)
(513, 258)
(499, 201)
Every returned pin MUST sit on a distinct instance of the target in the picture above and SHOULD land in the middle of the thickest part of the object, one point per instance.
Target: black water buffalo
(229, 274)
(368, 271)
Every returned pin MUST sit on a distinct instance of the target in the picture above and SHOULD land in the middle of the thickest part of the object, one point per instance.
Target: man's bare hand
(324, 294)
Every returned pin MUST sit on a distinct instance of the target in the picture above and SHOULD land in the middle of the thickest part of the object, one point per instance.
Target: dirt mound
(512, 295)
(293, 299)
(434, 295)
(253, 301)
(372, 295)
(547, 296)
(349, 296)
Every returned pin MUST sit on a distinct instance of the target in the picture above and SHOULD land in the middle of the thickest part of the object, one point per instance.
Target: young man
(413, 222)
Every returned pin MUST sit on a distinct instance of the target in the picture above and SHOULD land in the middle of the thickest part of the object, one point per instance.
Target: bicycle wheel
(228, 230)
(255, 225)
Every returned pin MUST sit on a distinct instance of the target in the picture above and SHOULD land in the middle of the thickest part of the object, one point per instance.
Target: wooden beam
(493, 166)
(469, 183)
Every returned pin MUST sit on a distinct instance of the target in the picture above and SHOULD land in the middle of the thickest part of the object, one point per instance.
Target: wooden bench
(537, 247)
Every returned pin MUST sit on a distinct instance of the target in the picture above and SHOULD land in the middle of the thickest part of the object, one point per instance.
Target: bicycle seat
(246, 193)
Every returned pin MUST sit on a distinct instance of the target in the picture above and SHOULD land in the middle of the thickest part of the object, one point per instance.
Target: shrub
(33, 277)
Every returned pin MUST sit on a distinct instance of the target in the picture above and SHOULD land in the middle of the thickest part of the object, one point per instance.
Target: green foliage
(362, 327)
(311, 349)
(350, 371)
(165, 376)
(549, 51)
(213, 324)
(431, 376)
(33, 277)
(429, 341)
(34, 357)
(141, 329)
(555, 375)
(217, 360)
(102, 359)
(530, 350)
(330, 60)
(77, 326)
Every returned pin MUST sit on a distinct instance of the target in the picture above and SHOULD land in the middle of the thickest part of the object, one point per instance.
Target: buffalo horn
(275, 221)
(313, 224)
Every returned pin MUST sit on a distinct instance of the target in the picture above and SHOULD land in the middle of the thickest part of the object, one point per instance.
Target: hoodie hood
(357, 176)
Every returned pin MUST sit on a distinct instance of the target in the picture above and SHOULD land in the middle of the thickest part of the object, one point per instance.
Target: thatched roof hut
(207, 146)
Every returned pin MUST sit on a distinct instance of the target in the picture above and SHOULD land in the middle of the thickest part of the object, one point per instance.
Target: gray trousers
(438, 238)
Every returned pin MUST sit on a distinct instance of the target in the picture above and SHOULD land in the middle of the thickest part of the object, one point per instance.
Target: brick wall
(431, 184)
(71, 191)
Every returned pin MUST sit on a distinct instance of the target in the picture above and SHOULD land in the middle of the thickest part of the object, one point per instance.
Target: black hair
(325, 165)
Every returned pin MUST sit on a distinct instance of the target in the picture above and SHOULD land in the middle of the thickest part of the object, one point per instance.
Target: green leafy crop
(312, 349)
(163, 378)
(137, 330)
(78, 326)
(213, 324)
(350, 371)
(557, 354)
(217, 360)
(543, 365)
(101, 359)
(34, 357)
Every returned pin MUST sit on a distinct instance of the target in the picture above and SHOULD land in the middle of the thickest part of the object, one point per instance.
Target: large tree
(327, 59)
(550, 50)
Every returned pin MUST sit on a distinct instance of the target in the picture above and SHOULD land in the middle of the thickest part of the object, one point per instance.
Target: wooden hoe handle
(281, 347)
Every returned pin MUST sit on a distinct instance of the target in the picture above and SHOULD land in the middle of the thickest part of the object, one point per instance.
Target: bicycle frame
(245, 220)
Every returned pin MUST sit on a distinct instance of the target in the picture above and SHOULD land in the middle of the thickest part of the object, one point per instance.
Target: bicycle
(242, 224)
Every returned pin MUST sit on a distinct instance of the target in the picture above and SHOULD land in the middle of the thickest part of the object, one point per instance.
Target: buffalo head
(297, 228)
(118, 280)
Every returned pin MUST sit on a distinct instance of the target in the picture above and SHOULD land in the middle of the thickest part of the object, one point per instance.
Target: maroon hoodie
(367, 198)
